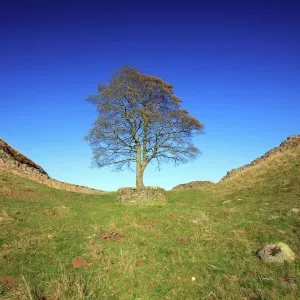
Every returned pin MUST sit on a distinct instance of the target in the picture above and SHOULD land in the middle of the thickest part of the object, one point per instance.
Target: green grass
(152, 252)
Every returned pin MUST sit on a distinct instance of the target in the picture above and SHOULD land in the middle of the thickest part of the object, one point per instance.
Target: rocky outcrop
(193, 185)
(145, 196)
(13, 161)
(289, 143)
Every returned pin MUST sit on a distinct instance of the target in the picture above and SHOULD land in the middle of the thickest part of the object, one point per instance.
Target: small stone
(232, 210)
(225, 202)
(212, 295)
(295, 210)
(196, 221)
(273, 217)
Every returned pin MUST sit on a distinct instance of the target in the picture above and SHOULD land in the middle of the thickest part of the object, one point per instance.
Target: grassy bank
(200, 246)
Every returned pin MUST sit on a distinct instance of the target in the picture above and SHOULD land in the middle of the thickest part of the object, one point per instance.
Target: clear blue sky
(235, 65)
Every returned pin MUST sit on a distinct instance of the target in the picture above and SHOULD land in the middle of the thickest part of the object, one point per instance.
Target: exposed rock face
(193, 185)
(145, 196)
(13, 161)
(290, 142)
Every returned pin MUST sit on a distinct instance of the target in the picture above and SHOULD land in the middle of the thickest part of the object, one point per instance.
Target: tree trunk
(139, 169)
(139, 177)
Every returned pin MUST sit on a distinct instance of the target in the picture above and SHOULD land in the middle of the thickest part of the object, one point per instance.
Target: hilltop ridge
(12, 161)
(290, 143)
(278, 163)
(193, 185)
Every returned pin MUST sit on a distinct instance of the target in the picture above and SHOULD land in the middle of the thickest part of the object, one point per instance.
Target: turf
(201, 245)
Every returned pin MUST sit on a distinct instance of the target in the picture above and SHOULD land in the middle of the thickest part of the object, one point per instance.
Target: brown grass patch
(9, 282)
(112, 235)
(79, 261)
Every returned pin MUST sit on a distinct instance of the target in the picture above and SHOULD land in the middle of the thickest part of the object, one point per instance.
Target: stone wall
(145, 196)
(193, 185)
(12, 161)
(289, 143)
(17, 159)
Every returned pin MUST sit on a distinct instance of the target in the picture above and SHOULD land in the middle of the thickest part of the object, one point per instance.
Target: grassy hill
(12, 161)
(279, 167)
(200, 246)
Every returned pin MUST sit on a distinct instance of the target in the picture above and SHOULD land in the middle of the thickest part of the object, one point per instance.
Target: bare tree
(139, 121)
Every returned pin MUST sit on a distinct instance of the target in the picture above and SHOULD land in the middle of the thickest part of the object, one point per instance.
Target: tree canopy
(140, 121)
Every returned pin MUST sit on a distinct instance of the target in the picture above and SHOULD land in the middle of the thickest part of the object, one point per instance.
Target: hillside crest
(193, 185)
(12, 161)
(291, 142)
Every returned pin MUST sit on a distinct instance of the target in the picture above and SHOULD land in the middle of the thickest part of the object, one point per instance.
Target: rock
(276, 253)
(295, 210)
(197, 221)
(225, 202)
(232, 210)
(144, 196)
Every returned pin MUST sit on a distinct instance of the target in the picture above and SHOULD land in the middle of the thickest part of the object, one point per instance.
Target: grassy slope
(280, 170)
(161, 249)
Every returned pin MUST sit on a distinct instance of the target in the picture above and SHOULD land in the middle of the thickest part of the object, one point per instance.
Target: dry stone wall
(193, 185)
(145, 196)
(12, 161)
(289, 143)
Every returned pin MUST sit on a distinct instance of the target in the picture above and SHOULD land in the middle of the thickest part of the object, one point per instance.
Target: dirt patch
(112, 236)
(79, 261)
(9, 246)
(9, 282)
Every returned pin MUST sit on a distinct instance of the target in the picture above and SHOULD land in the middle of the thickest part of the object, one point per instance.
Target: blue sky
(235, 65)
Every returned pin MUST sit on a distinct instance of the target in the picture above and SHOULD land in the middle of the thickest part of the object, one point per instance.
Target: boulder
(144, 196)
(276, 253)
